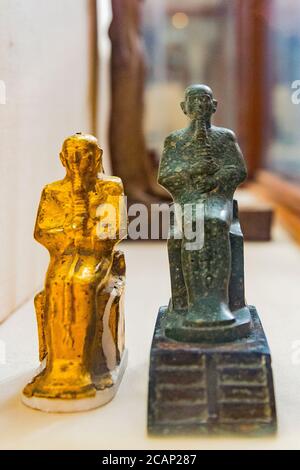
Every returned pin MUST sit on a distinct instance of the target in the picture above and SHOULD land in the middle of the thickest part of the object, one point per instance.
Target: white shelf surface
(272, 281)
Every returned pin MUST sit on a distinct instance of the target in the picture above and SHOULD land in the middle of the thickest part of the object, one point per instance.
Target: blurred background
(118, 69)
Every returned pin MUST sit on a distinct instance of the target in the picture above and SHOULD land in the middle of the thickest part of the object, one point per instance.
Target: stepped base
(205, 388)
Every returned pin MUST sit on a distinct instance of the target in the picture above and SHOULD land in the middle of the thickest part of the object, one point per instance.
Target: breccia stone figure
(79, 313)
(210, 367)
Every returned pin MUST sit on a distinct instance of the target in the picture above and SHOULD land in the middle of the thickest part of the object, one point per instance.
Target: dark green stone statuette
(203, 165)
(210, 364)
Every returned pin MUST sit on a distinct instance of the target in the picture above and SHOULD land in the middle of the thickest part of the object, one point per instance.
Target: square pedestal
(211, 388)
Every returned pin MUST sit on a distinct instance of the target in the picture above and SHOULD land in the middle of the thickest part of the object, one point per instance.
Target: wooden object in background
(253, 90)
(210, 365)
(256, 216)
(129, 155)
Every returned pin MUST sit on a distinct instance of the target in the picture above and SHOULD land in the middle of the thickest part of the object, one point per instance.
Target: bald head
(198, 102)
(198, 90)
(81, 153)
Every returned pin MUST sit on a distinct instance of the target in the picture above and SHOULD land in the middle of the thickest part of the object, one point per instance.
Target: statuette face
(80, 310)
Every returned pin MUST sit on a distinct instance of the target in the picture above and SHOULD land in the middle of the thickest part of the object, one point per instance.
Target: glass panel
(187, 41)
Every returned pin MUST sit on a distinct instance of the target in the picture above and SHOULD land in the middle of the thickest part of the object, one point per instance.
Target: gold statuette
(80, 316)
